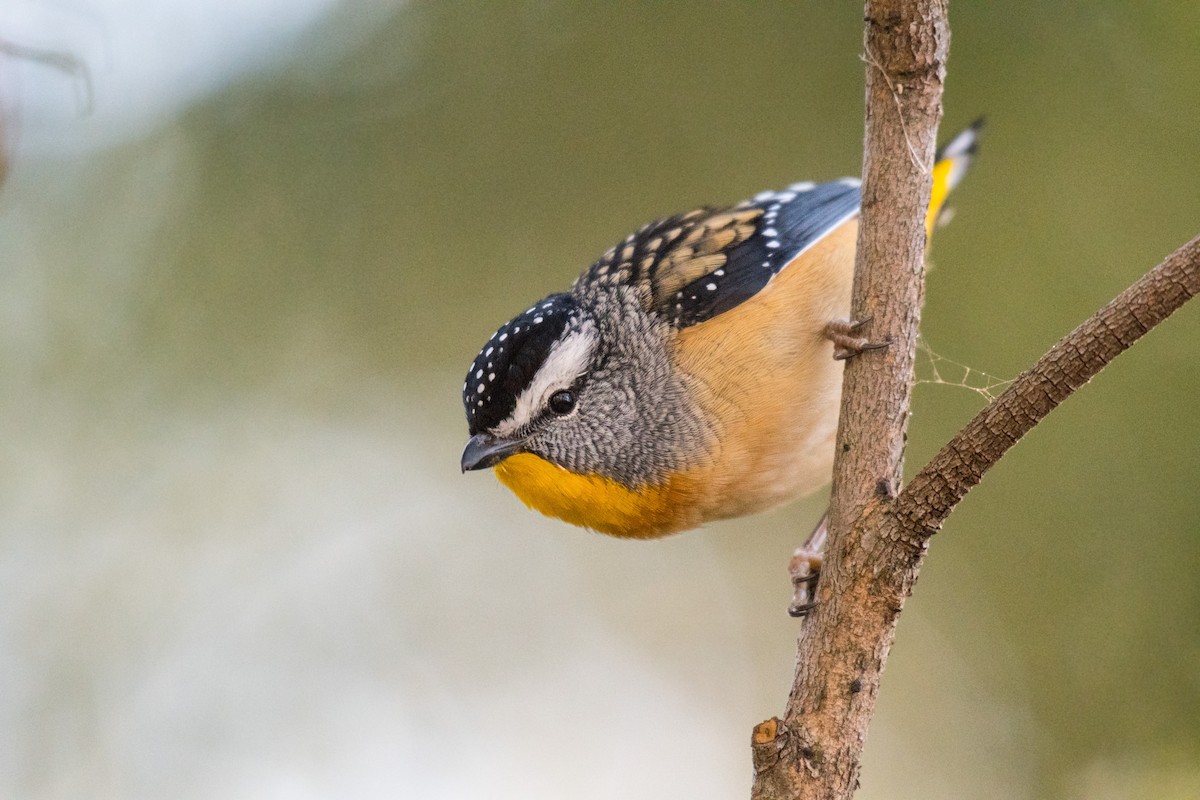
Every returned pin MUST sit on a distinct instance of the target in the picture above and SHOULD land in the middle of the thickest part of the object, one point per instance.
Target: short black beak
(485, 450)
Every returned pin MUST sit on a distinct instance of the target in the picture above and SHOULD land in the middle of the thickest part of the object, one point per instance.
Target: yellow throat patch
(596, 502)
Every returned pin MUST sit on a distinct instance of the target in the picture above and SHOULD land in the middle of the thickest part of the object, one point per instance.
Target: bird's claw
(847, 342)
(805, 569)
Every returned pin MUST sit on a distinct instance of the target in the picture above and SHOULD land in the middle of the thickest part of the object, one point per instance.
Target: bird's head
(523, 391)
(584, 385)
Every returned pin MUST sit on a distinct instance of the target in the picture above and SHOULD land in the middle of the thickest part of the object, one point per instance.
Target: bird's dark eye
(562, 402)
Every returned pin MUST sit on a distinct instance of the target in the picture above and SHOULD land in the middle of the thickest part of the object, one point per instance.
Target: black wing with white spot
(692, 267)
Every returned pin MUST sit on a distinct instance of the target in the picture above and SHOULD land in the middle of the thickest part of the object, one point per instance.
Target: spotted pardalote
(689, 374)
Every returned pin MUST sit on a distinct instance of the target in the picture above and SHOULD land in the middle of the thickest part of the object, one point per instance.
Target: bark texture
(878, 533)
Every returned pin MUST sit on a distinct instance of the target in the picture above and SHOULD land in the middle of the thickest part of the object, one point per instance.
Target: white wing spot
(712, 287)
(479, 374)
(774, 243)
(803, 186)
(538, 320)
(787, 197)
(491, 376)
(480, 388)
(719, 273)
(488, 352)
(503, 336)
(851, 182)
(770, 232)
(763, 197)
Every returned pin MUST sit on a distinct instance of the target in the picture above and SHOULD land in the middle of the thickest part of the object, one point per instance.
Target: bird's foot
(805, 570)
(846, 338)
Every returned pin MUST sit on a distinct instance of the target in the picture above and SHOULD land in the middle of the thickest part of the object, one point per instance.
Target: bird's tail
(949, 167)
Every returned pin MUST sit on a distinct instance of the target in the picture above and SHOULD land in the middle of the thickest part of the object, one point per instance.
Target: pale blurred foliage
(236, 555)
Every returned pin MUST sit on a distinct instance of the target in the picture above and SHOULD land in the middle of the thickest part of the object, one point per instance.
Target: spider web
(937, 369)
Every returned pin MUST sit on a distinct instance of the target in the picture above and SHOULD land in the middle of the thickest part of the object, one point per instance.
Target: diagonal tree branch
(1072, 362)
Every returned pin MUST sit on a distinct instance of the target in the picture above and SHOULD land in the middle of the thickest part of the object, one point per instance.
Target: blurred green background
(237, 558)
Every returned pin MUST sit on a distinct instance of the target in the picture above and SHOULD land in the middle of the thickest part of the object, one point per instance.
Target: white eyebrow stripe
(568, 359)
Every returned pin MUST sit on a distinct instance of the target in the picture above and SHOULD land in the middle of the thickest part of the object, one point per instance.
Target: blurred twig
(63, 62)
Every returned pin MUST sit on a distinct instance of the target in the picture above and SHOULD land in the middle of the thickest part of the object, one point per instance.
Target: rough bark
(879, 533)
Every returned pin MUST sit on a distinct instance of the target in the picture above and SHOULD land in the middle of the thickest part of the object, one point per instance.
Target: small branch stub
(767, 742)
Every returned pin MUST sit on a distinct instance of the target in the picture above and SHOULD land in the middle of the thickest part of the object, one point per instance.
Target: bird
(692, 373)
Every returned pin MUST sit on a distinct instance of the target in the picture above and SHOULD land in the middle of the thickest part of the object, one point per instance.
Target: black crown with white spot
(510, 359)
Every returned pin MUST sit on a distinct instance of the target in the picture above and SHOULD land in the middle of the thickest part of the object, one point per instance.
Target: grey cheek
(540, 445)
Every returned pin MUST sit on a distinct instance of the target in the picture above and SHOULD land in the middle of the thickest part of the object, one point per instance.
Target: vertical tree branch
(814, 751)
(906, 44)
